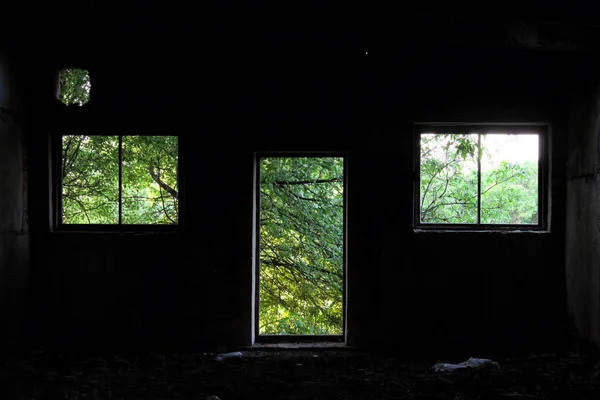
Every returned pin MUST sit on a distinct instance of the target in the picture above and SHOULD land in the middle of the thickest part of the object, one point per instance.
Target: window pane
(448, 181)
(509, 179)
(90, 179)
(150, 189)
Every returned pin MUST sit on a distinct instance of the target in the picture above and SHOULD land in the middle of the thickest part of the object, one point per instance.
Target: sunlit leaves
(90, 179)
(301, 259)
(510, 194)
(75, 86)
(150, 190)
(449, 179)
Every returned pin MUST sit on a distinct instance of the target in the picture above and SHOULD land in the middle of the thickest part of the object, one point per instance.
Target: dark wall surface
(231, 96)
(582, 230)
(14, 237)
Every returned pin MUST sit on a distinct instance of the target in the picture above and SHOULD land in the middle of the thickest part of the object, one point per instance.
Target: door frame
(258, 338)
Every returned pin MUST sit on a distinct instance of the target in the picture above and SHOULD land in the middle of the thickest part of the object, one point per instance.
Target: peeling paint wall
(14, 239)
(583, 214)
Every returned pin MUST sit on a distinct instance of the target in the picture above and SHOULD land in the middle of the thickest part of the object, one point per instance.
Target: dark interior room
(238, 201)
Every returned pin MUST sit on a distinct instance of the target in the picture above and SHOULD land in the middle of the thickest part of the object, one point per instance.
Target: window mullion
(478, 178)
(120, 179)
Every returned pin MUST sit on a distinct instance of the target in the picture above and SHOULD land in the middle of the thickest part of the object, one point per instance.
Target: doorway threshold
(300, 345)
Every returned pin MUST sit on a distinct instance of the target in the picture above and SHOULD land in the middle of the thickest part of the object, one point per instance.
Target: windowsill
(482, 231)
(290, 338)
(299, 345)
(117, 231)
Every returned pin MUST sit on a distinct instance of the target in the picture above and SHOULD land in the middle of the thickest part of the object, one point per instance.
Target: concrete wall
(583, 214)
(455, 290)
(14, 239)
(418, 293)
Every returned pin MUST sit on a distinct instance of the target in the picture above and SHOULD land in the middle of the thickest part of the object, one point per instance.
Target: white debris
(477, 363)
(223, 356)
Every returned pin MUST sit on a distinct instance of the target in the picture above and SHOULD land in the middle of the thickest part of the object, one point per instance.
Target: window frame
(56, 186)
(543, 131)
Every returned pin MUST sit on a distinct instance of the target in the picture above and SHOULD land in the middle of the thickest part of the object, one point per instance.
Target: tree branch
(161, 183)
(499, 182)
(162, 199)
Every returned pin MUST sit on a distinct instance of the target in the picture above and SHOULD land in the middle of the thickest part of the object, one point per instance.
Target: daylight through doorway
(301, 246)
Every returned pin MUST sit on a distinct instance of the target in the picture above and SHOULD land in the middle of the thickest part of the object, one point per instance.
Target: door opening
(300, 271)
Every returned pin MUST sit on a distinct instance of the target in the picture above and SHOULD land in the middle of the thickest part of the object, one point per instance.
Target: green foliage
(510, 194)
(301, 245)
(150, 193)
(448, 184)
(90, 179)
(448, 178)
(75, 86)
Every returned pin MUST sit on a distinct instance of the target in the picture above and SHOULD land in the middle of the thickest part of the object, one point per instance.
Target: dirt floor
(288, 374)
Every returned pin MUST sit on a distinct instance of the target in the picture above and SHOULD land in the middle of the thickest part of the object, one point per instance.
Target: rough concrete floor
(271, 373)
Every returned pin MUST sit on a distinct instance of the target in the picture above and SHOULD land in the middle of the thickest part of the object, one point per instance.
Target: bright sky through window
(514, 149)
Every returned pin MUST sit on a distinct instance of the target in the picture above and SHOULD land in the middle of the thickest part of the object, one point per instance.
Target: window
(74, 86)
(118, 180)
(481, 176)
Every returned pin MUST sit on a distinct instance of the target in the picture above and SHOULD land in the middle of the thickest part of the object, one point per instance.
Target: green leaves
(449, 167)
(510, 194)
(301, 243)
(448, 183)
(74, 86)
(90, 181)
(150, 189)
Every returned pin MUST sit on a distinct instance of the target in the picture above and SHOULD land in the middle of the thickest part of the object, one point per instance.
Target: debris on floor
(290, 374)
(224, 356)
(480, 363)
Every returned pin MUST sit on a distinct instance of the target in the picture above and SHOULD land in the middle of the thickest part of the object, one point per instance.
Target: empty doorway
(300, 247)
